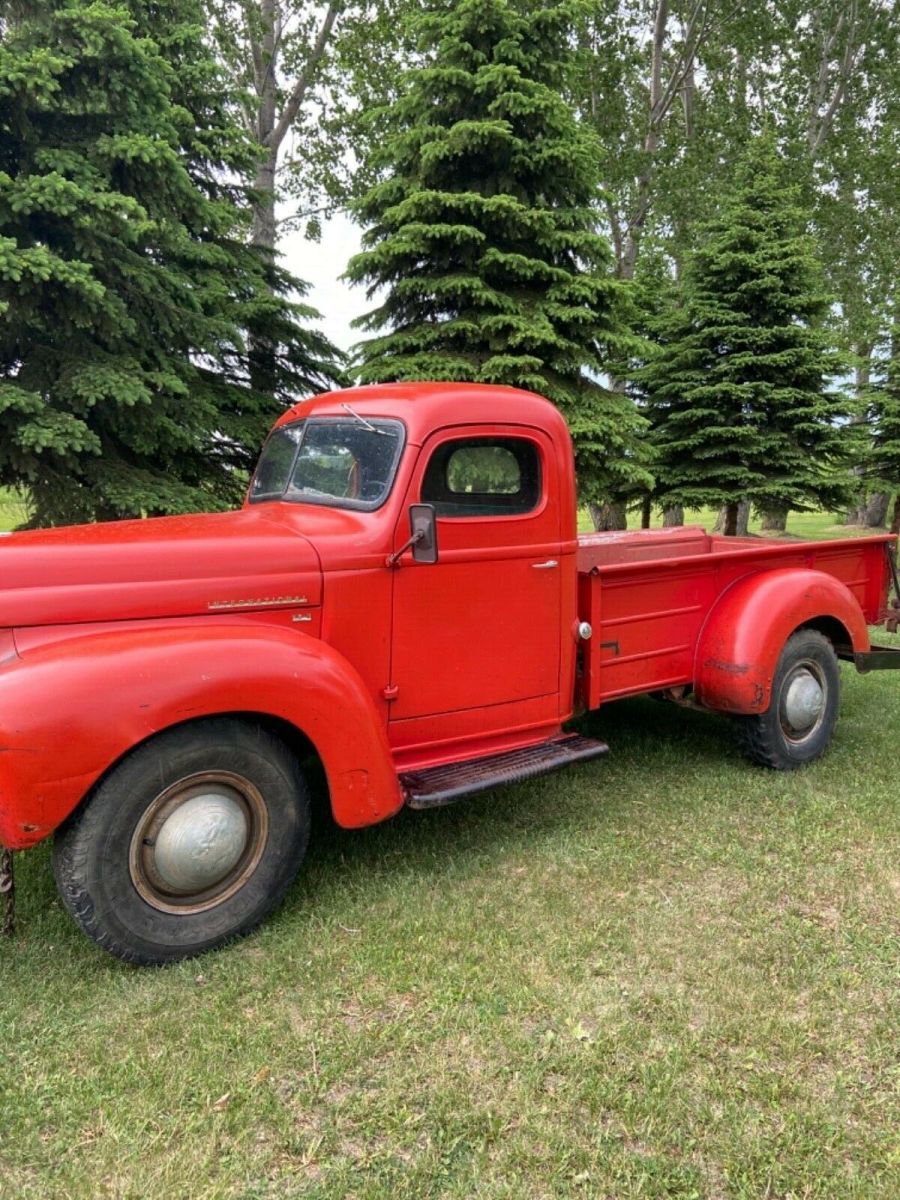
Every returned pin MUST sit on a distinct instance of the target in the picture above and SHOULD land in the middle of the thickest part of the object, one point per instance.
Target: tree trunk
(895, 522)
(607, 517)
(646, 512)
(673, 516)
(264, 227)
(741, 519)
(877, 509)
(774, 520)
(856, 514)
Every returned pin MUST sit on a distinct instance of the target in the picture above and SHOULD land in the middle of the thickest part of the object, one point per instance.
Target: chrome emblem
(256, 602)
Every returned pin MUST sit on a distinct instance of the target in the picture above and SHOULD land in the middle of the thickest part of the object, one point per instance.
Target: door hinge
(391, 692)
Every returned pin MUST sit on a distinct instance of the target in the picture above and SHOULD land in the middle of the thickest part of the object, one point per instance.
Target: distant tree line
(676, 220)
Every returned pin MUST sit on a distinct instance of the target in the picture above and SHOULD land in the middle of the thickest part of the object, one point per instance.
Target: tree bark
(266, 84)
(856, 514)
(607, 517)
(895, 522)
(646, 512)
(741, 518)
(877, 510)
(673, 516)
(774, 520)
(264, 232)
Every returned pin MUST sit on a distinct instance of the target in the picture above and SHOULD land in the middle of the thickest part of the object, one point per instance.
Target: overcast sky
(320, 264)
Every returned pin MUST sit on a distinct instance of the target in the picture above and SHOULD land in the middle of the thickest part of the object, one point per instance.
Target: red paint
(111, 633)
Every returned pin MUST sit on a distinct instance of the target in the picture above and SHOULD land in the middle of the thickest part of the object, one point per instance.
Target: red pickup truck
(404, 598)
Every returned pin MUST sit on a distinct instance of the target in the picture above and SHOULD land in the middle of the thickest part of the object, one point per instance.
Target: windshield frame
(391, 424)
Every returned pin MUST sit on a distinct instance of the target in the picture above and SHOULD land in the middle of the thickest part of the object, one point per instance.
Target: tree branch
(301, 87)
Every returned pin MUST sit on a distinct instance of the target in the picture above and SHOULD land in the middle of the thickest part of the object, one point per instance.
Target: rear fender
(70, 709)
(741, 642)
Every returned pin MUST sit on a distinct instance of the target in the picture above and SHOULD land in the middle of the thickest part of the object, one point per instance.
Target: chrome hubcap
(201, 841)
(802, 701)
(198, 842)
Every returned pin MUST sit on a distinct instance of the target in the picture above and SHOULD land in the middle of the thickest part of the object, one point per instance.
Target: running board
(434, 787)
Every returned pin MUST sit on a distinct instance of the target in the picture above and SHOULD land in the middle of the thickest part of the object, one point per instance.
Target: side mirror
(423, 531)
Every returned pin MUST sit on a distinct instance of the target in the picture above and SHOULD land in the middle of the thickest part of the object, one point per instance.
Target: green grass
(802, 525)
(12, 509)
(665, 974)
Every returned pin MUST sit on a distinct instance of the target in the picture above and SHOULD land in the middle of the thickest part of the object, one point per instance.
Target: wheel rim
(803, 701)
(198, 842)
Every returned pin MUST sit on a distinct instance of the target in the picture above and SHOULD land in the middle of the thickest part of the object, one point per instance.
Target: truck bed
(647, 595)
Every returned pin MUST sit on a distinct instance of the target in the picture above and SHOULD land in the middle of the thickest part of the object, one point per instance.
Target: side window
(483, 477)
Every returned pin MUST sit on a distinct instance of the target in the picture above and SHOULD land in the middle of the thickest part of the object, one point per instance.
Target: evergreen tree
(738, 387)
(481, 234)
(127, 290)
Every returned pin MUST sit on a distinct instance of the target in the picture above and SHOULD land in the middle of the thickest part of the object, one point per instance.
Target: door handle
(546, 566)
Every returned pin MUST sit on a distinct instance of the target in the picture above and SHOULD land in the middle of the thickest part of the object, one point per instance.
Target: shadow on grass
(655, 748)
(643, 735)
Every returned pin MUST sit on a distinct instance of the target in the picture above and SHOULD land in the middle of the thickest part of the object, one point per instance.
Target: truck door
(481, 626)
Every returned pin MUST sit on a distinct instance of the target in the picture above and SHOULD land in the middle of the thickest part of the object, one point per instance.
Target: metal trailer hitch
(7, 892)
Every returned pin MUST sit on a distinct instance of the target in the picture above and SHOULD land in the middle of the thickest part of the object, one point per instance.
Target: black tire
(770, 738)
(217, 795)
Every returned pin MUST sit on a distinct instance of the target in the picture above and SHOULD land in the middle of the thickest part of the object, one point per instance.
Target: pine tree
(481, 233)
(738, 388)
(128, 293)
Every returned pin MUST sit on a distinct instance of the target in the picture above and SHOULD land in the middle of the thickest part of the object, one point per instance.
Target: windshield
(349, 462)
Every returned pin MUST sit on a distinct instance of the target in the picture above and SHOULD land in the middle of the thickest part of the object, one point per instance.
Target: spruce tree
(128, 293)
(481, 240)
(738, 388)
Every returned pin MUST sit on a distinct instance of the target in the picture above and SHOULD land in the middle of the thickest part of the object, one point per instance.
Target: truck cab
(495, 465)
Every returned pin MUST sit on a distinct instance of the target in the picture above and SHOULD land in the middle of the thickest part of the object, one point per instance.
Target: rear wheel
(799, 723)
(193, 839)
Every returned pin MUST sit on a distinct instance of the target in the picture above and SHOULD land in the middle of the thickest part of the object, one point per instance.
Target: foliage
(480, 236)
(737, 388)
(127, 291)
(306, 77)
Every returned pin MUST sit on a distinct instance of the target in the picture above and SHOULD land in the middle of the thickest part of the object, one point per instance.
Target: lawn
(12, 510)
(664, 974)
(667, 974)
(802, 525)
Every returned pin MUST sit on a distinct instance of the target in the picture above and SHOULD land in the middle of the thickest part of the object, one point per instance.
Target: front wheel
(193, 839)
(799, 723)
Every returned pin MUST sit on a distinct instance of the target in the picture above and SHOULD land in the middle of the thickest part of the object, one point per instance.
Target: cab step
(434, 787)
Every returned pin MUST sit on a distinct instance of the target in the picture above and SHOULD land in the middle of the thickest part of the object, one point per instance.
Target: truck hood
(166, 566)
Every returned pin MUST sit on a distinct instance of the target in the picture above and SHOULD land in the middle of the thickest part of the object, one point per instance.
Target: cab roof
(425, 407)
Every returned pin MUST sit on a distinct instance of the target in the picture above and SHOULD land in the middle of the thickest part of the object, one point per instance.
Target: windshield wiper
(362, 420)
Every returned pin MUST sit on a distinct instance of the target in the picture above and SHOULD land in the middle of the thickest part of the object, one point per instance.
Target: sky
(320, 264)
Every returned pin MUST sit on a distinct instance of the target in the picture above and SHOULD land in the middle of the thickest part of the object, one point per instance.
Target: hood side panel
(168, 566)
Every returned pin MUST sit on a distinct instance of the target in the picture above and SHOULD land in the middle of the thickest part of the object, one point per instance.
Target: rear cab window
(483, 477)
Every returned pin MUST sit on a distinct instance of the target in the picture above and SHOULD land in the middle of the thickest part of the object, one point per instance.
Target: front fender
(71, 708)
(745, 632)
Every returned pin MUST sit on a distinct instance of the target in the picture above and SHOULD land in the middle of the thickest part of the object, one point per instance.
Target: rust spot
(729, 668)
